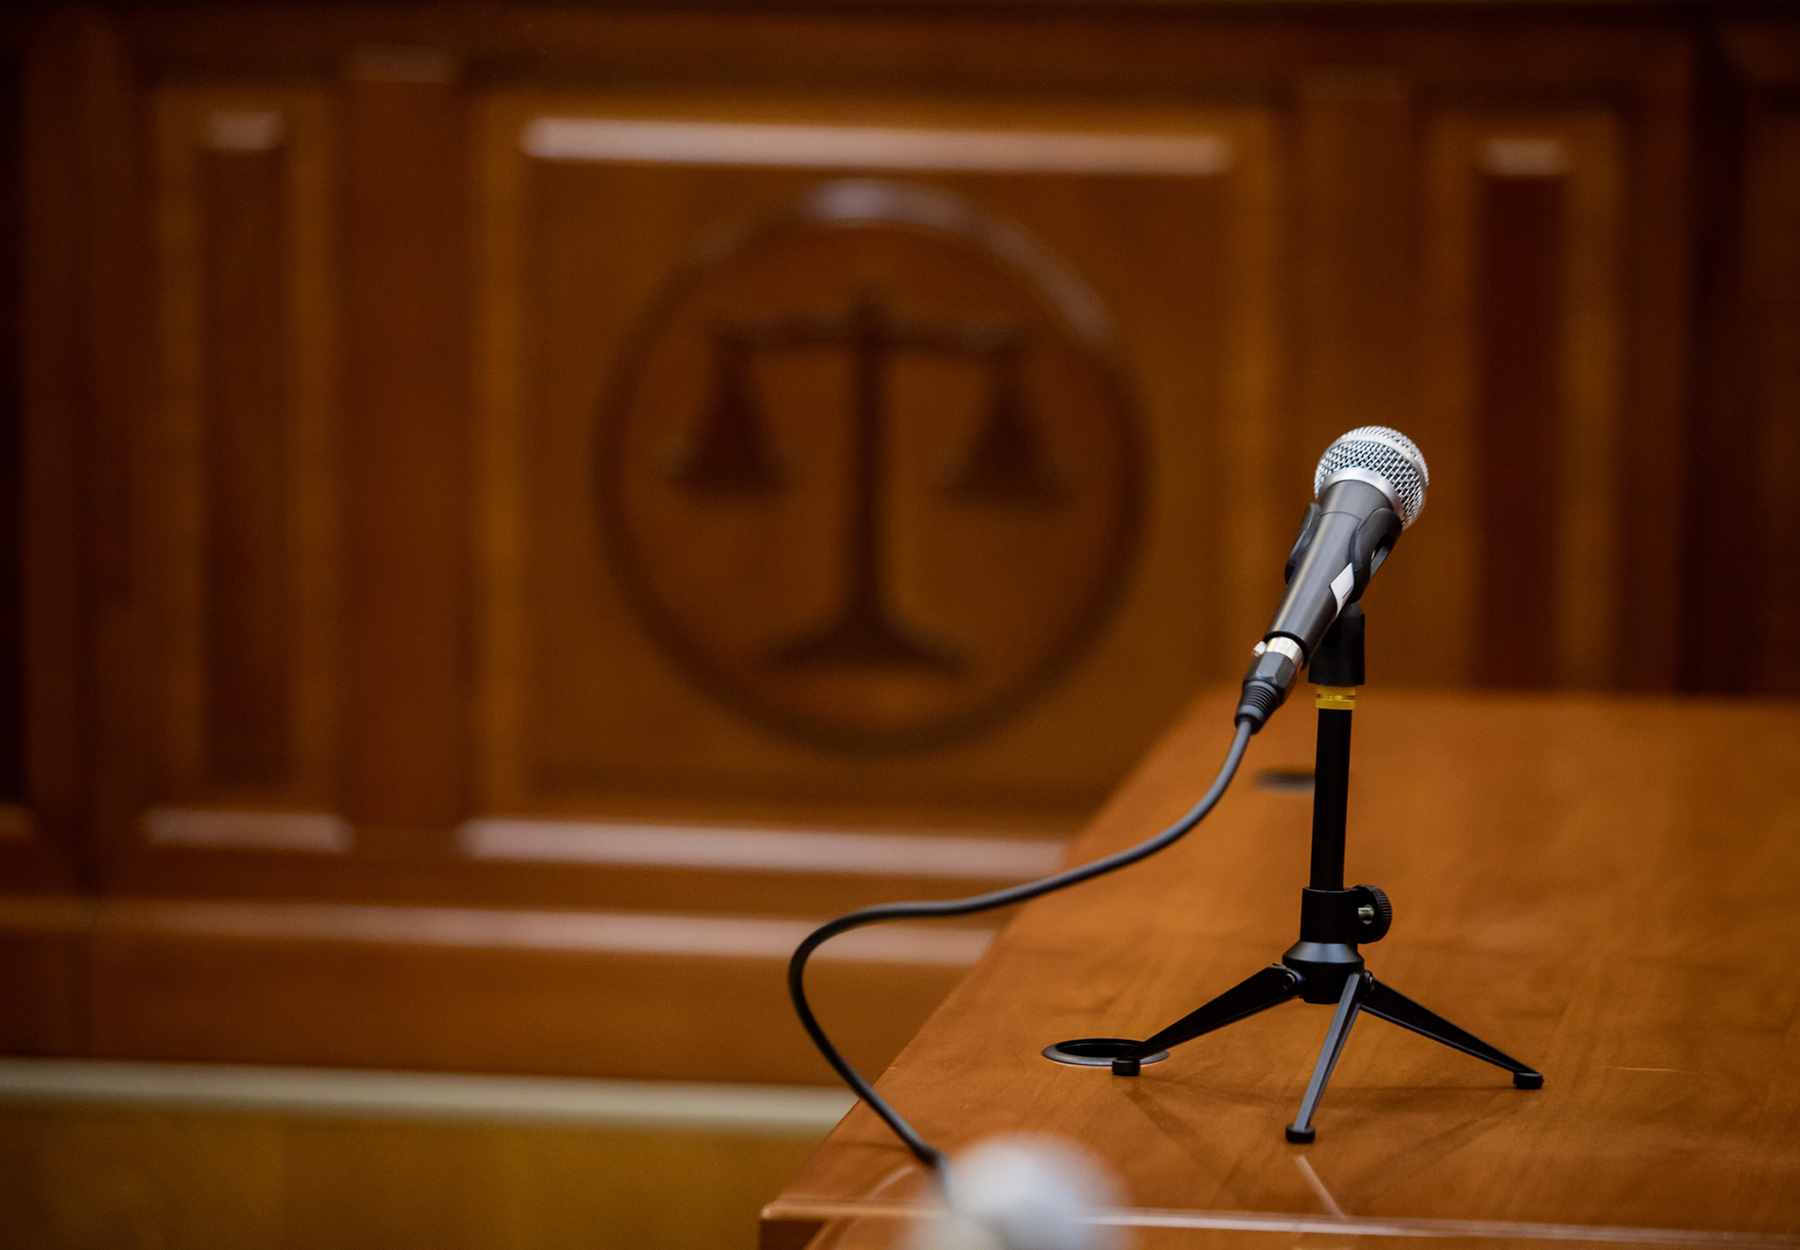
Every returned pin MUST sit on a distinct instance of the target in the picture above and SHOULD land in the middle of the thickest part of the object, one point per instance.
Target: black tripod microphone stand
(1324, 966)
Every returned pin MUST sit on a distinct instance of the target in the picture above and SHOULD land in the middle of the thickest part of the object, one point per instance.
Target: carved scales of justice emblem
(1006, 465)
(868, 524)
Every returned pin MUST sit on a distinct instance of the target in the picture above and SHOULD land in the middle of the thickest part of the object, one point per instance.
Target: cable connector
(1271, 676)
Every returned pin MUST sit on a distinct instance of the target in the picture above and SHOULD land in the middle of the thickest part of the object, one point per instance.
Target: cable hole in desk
(1096, 1052)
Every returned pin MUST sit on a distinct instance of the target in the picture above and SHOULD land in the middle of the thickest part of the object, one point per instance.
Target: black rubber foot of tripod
(1524, 1080)
(1127, 1067)
(1301, 1135)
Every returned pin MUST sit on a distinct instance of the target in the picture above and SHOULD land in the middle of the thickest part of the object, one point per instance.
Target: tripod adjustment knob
(1374, 914)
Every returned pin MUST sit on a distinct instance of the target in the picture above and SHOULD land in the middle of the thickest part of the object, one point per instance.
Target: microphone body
(1369, 486)
(1343, 540)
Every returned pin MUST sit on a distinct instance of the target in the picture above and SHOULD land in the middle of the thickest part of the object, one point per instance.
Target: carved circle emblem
(869, 469)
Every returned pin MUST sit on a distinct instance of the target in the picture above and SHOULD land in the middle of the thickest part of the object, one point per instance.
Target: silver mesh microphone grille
(1392, 460)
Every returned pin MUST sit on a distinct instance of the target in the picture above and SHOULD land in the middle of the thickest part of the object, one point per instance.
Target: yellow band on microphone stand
(1340, 698)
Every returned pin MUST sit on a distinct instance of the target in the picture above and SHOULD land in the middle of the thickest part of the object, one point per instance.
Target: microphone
(1369, 486)
(1021, 1192)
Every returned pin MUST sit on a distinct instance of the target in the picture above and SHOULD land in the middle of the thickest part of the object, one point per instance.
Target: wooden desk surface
(1607, 888)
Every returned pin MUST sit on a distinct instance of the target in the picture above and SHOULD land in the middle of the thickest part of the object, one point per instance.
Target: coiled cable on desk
(926, 1152)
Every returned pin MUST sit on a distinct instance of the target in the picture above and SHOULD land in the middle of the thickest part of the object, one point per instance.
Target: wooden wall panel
(1523, 329)
(1521, 224)
(82, 662)
(584, 707)
(1314, 266)
(248, 614)
(51, 619)
(12, 651)
(1765, 468)
(247, 476)
(23, 851)
(1653, 509)
(41, 975)
(315, 552)
(405, 745)
(1721, 583)
(1357, 228)
(1741, 619)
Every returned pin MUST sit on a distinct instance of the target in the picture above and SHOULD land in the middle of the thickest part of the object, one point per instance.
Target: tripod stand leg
(1271, 987)
(1356, 987)
(1396, 1008)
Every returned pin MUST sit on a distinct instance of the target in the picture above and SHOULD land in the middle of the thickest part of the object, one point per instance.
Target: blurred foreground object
(1022, 1192)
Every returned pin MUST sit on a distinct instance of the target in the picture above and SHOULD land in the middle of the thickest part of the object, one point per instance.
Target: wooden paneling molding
(247, 481)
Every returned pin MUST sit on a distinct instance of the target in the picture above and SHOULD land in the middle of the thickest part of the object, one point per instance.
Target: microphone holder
(1324, 966)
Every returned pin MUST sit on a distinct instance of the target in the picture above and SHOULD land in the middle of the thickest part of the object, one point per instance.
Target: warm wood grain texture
(397, 440)
(1774, 444)
(80, 283)
(50, 612)
(1600, 887)
(1520, 220)
(1355, 238)
(246, 488)
(247, 614)
(80, 1176)
(12, 445)
(1654, 471)
(590, 992)
(30, 854)
(165, 988)
(1524, 399)
(405, 447)
(1754, 434)
(40, 977)
(664, 971)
